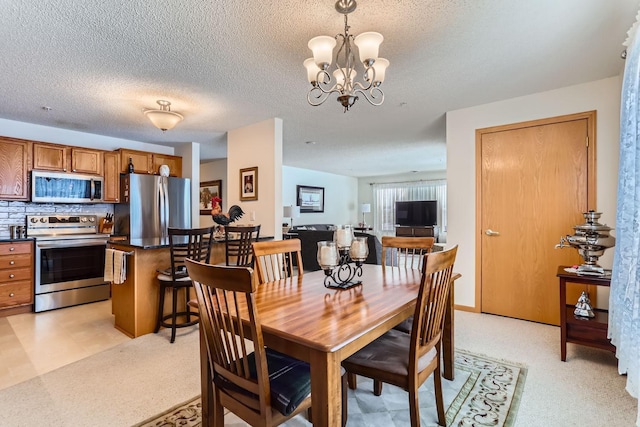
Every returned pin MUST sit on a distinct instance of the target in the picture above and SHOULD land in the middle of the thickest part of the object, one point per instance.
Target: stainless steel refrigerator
(150, 204)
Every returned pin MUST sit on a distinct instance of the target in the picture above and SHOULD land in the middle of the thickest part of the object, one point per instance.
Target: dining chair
(258, 384)
(238, 240)
(193, 243)
(279, 259)
(407, 360)
(405, 252)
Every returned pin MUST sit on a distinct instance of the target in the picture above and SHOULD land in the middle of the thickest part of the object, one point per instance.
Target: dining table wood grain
(302, 318)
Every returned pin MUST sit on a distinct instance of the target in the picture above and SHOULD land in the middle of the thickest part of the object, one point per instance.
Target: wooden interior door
(534, 185)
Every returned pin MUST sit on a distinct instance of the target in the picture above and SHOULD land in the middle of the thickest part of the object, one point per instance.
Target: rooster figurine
(223, 219)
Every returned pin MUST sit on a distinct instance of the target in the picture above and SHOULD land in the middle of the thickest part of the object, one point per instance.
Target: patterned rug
(485, 392)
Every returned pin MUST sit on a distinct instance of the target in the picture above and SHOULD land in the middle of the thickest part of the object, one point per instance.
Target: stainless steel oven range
(69, 260)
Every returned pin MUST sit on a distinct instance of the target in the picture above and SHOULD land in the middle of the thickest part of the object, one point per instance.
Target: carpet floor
(485, 392)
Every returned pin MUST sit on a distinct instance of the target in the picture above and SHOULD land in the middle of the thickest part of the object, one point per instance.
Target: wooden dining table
(302, 318)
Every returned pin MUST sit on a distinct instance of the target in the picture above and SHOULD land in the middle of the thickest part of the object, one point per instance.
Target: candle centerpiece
(335, 258)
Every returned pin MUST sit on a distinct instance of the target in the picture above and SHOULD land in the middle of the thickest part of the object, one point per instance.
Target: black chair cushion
(289, 379)
(389, 353)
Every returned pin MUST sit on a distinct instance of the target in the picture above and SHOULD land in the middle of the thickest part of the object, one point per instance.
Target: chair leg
(351, 379)
(174, 316)
(437, 388)
(414, 408)
(344, 400)
(377, 387)
(160, 307)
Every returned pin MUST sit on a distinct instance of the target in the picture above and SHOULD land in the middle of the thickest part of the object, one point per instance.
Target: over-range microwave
(60, 187)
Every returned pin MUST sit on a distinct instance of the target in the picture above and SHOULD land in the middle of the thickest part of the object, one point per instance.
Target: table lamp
(365, 208)
(291, 212)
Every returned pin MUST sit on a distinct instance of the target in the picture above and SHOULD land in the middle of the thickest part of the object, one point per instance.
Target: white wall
(190, 153)
(602, 95)
(340, 196)
(212, 171)
(258, 145)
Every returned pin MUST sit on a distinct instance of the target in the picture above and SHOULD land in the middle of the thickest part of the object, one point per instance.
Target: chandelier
(164, 119)
(343, 78)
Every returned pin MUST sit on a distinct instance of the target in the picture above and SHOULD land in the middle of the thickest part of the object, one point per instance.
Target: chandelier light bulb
(312, 70)
(368, 46)
(322, 48)
(380, 66)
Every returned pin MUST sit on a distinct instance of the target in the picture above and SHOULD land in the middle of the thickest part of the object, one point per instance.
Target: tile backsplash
(15, 213)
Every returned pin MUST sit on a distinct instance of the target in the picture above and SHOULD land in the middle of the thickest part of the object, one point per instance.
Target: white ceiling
(226, 64)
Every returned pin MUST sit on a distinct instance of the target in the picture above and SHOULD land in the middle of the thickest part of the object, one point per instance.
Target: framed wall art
(310, 199)
(209, 190)
(249, 184)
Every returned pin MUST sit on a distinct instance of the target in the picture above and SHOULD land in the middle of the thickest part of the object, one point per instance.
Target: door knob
(490, 232)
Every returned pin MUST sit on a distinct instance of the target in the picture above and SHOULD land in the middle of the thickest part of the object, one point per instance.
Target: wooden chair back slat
(280, 259)
(192, 243)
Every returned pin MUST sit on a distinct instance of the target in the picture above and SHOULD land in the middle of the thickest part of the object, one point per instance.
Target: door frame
(590, 116)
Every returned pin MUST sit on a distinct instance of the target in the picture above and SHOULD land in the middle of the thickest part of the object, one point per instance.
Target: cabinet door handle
(12, 294)
(490, 232)
(12, 249)
(11, 276)
(11, 262)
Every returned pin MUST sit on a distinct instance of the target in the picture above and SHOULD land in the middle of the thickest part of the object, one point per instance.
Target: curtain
(624, 299)
(385, 195)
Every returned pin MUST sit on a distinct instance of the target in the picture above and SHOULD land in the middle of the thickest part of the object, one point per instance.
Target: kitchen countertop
(22, 239)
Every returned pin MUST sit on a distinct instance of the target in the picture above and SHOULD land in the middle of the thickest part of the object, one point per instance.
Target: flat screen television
(417, 213)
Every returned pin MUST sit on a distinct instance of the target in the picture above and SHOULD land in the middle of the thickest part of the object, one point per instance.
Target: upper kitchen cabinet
(85, 160)
(50, 157)
(142, 161)
(174, 163)
(145, 162)
(111, 177)
(14, 169)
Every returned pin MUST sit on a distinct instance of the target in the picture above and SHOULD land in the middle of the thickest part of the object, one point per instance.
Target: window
(385, 196)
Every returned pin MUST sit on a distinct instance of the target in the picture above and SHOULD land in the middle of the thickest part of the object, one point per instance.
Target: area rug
(485, 392)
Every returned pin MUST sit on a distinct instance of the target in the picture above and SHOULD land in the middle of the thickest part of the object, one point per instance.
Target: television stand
(417, 231)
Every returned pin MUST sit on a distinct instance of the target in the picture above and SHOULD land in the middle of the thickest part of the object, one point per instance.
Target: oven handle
(70, 243)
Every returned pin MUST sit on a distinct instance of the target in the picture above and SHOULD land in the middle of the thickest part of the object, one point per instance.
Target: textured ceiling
(226, 64)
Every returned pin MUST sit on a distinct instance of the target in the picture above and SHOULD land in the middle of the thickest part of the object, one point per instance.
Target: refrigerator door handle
(164, 207)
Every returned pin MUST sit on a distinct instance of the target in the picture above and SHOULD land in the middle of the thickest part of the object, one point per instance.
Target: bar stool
(194, 244)
(238, 240)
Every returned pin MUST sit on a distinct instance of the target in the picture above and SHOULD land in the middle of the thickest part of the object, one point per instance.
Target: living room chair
(259, 385)
(405, 252)
(407, 360)
(280, 259)
(194, 243)
(238, 240)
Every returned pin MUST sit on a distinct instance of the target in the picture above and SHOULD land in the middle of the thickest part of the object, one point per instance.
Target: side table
(591, 332)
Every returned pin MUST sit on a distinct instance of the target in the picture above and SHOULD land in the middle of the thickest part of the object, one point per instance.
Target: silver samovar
(591, 239)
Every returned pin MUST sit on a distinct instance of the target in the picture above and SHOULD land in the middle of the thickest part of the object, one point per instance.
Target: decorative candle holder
(342, 274)
(343, 236)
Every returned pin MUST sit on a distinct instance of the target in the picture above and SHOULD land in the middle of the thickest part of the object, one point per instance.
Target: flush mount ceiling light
(164, 119)
(343, 78)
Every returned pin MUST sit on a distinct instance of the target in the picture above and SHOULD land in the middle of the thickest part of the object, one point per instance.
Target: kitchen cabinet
(142, 161)
(111, 177)
(174, 163)
(14, 169)
(16, 277)
(50, 157)
(85, 160)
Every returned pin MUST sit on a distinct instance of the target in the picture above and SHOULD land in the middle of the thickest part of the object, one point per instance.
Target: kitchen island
(135, 302)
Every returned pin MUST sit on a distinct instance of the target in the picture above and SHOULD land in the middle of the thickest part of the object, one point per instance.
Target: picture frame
(310, 199)
(208, 190)
(249, 184)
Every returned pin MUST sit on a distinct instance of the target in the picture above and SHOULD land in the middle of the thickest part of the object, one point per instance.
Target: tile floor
(32, 344)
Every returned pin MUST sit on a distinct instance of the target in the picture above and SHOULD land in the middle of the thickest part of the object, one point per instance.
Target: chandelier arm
(375, 95)
(318, 96)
